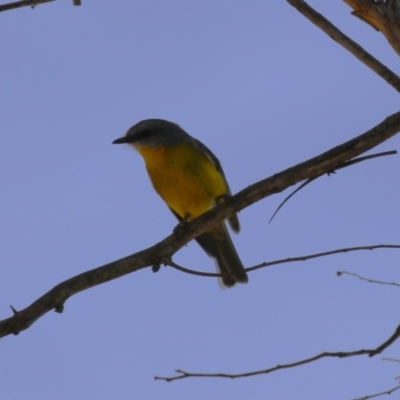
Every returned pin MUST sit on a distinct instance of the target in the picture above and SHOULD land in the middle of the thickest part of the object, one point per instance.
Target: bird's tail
(218, 244)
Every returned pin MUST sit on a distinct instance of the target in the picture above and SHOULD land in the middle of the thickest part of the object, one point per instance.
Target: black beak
(120, 140)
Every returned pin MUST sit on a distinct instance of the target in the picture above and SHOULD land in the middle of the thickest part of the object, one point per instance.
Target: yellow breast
(185, 178)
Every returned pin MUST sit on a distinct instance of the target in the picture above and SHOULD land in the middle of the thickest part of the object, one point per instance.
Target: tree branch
(382, 16)
(339, 273)
(390, 391)
(340, 354)
(391, 359)
(344, 165)
(339, 37)
(163, 251)
(295, 259)
(31, 3)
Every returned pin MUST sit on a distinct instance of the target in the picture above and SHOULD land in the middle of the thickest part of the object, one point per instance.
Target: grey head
(155, 133)
(161, 133)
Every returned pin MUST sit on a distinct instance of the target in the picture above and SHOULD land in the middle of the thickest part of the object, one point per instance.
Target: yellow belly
(185, 179)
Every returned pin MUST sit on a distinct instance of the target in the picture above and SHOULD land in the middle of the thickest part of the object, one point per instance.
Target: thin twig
(308, 181)
(285, 260)
(339, 273)
(378, 394)
(391, 359)
(344, 165)
(370, 157)
(341, 354)
(323, 254)
(371, 62)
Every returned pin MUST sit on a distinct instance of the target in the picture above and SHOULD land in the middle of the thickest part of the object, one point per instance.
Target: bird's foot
(180, 229)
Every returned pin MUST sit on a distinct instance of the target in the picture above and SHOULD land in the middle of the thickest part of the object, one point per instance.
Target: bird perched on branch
(190, 180)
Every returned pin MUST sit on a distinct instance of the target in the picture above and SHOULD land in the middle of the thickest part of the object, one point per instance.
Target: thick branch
(339, 37)
(163, 251)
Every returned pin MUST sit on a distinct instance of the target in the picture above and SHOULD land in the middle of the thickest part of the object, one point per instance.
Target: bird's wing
(202, 148)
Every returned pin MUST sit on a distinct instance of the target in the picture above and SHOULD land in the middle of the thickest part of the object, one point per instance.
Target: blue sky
(264, 89)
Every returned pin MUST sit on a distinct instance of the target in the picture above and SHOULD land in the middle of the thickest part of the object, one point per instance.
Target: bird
(190, 180)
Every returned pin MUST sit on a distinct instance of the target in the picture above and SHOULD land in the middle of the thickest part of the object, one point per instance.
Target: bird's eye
(145, 133)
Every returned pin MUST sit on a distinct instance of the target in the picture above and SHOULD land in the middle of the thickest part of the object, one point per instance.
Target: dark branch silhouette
(184, 374)
(391, 359)
(344, 165)
(390, 391)
(30, 3)
(339, 273)
(339, 354)
(294, 259)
